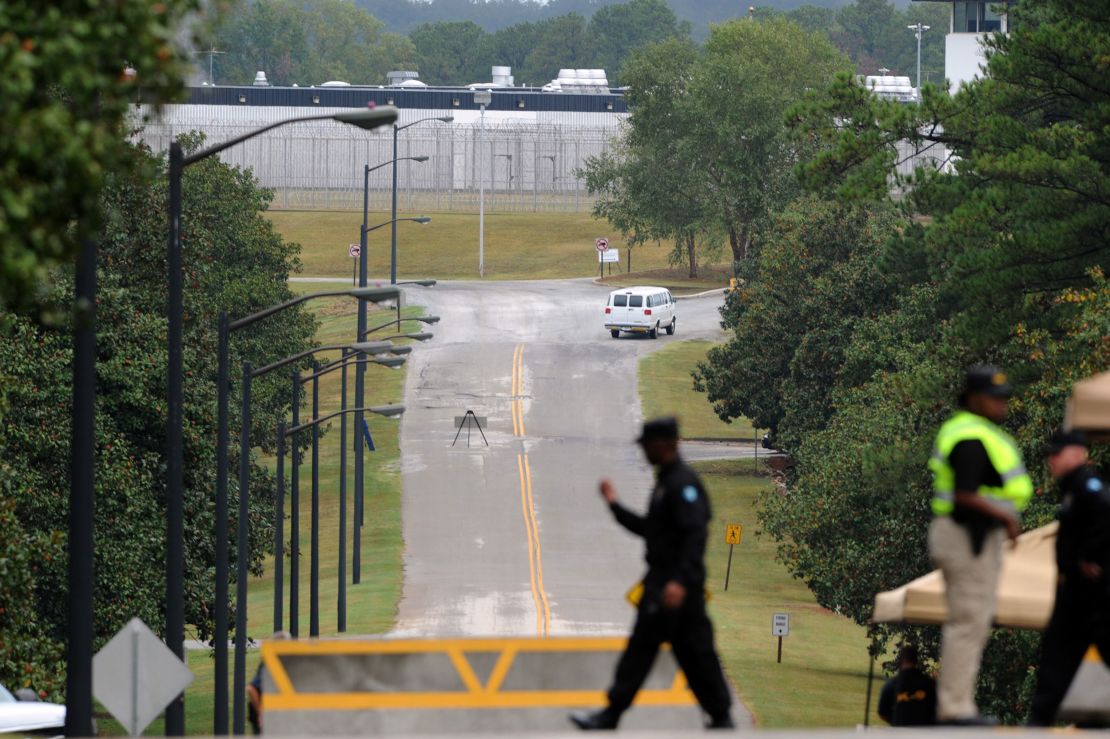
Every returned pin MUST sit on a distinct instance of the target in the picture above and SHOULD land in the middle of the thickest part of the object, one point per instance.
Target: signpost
(733, 533)
(602, 245)
(354, 251)
(135, 676)
(780, 627)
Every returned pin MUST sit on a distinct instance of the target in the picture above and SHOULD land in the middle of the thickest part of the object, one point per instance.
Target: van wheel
(654, 333)
(671, 328)
(615, 333)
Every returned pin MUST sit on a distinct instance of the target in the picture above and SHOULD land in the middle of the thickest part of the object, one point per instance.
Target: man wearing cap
(1081, 615)
(980, 486)
(672, 607)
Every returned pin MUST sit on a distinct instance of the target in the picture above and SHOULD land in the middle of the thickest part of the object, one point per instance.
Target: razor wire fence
(523, 167)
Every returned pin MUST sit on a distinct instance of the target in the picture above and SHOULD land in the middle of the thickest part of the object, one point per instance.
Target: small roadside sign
(602, 244)
(136, 676)
(354, 250)
(780, 624)
(609, 256)
(780, 627)
(733, 532)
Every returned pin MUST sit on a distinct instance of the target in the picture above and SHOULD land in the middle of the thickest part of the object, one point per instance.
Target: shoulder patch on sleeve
(690, 493)
(1094, 485)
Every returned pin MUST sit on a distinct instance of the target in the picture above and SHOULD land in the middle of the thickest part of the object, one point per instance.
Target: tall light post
(918, 28)
(482, 98)
(393, 212)
(175, 526)
(79, 629)
(226, 327)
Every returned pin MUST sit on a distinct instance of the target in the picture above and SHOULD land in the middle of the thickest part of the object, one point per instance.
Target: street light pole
(175, 528)
(242, 551)
(341, 595)
(295, 513)
(483, 98)
(279, 528)
(918, 28)
(175, 524)
(79, 629)
(314, 518)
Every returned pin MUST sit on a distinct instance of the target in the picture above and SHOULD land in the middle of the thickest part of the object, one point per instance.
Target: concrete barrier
(341, 687)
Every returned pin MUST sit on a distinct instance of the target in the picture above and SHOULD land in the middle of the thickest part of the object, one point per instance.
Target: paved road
(512, 539)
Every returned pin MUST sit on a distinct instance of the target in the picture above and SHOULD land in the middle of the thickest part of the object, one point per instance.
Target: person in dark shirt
(910, 697)
(672, 607)
(1081, 614)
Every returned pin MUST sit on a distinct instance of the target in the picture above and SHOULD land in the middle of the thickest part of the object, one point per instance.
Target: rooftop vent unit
(502, 76)
(579, 80)
(397, 77)
(260, 79)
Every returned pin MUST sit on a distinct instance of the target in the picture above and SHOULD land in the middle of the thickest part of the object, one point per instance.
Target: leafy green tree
(618, 30)
(66, 94)
(267, 35)
(450, 53)
(561, 42)
(234, 260)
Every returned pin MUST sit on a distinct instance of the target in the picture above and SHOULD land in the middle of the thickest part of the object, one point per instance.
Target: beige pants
(970, 585)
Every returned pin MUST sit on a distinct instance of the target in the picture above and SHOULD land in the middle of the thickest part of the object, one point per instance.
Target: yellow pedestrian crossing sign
(733, 532)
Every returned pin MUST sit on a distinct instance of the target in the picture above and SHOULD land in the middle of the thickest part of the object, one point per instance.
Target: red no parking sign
(602, 244)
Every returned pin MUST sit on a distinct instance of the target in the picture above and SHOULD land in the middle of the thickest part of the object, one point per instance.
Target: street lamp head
(401, 350)
(420, 159)
(393, 410)
(368, 119)
(374, 347)
(420, 283)
(447, 118)
(391, 362)
(422, 220)
(428, 319)
(374, 294)
(422, 336)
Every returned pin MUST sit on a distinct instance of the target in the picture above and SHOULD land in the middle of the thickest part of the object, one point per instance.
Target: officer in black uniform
(910, 697)
(1081, 616)
(672, 608)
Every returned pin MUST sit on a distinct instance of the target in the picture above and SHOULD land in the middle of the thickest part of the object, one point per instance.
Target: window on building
(976, 16)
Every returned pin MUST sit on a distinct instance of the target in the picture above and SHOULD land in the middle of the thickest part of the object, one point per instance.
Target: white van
(640, 310)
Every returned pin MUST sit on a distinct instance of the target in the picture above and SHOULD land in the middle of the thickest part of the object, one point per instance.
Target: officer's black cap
(1062, 439)
(986, 379)
(659, 428)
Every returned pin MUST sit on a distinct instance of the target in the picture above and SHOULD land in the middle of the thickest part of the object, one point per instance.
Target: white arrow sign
(135, 676)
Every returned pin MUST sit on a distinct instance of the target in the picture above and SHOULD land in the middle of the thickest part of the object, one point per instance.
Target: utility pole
(212, 52)
(918, 28)
(483, 98)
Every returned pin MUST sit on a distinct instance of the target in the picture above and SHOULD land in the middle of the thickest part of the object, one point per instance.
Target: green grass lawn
(822, 679)
(517, 245)
(666, 389)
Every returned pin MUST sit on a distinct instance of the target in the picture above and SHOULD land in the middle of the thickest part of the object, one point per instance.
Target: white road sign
(609, 255)
(354, 250)
(780, 624)
(135, 676)
(602, 244)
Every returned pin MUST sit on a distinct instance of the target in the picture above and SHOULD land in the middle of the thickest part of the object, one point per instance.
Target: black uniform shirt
(1084, 533)
(675, 528)
(909, 699)
(973, 469)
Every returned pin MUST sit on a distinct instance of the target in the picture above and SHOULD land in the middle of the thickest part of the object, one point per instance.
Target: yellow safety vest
(1017, 487)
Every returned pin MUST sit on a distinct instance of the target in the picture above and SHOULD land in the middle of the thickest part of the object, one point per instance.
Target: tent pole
(870, 680)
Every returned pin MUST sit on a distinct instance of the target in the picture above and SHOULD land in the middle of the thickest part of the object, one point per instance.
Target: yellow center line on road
(527, 502)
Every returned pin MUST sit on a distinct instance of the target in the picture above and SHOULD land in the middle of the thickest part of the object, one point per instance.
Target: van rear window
(635, 301)
(621, 301)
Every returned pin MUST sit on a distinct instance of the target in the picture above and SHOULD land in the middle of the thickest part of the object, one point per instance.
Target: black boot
(599, 721)
(724, 721)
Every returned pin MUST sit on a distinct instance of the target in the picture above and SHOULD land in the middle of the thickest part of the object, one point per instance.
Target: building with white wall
(970, 23)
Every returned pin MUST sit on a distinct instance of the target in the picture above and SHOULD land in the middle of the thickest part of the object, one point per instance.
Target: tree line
(857, 311)
(312, 41)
